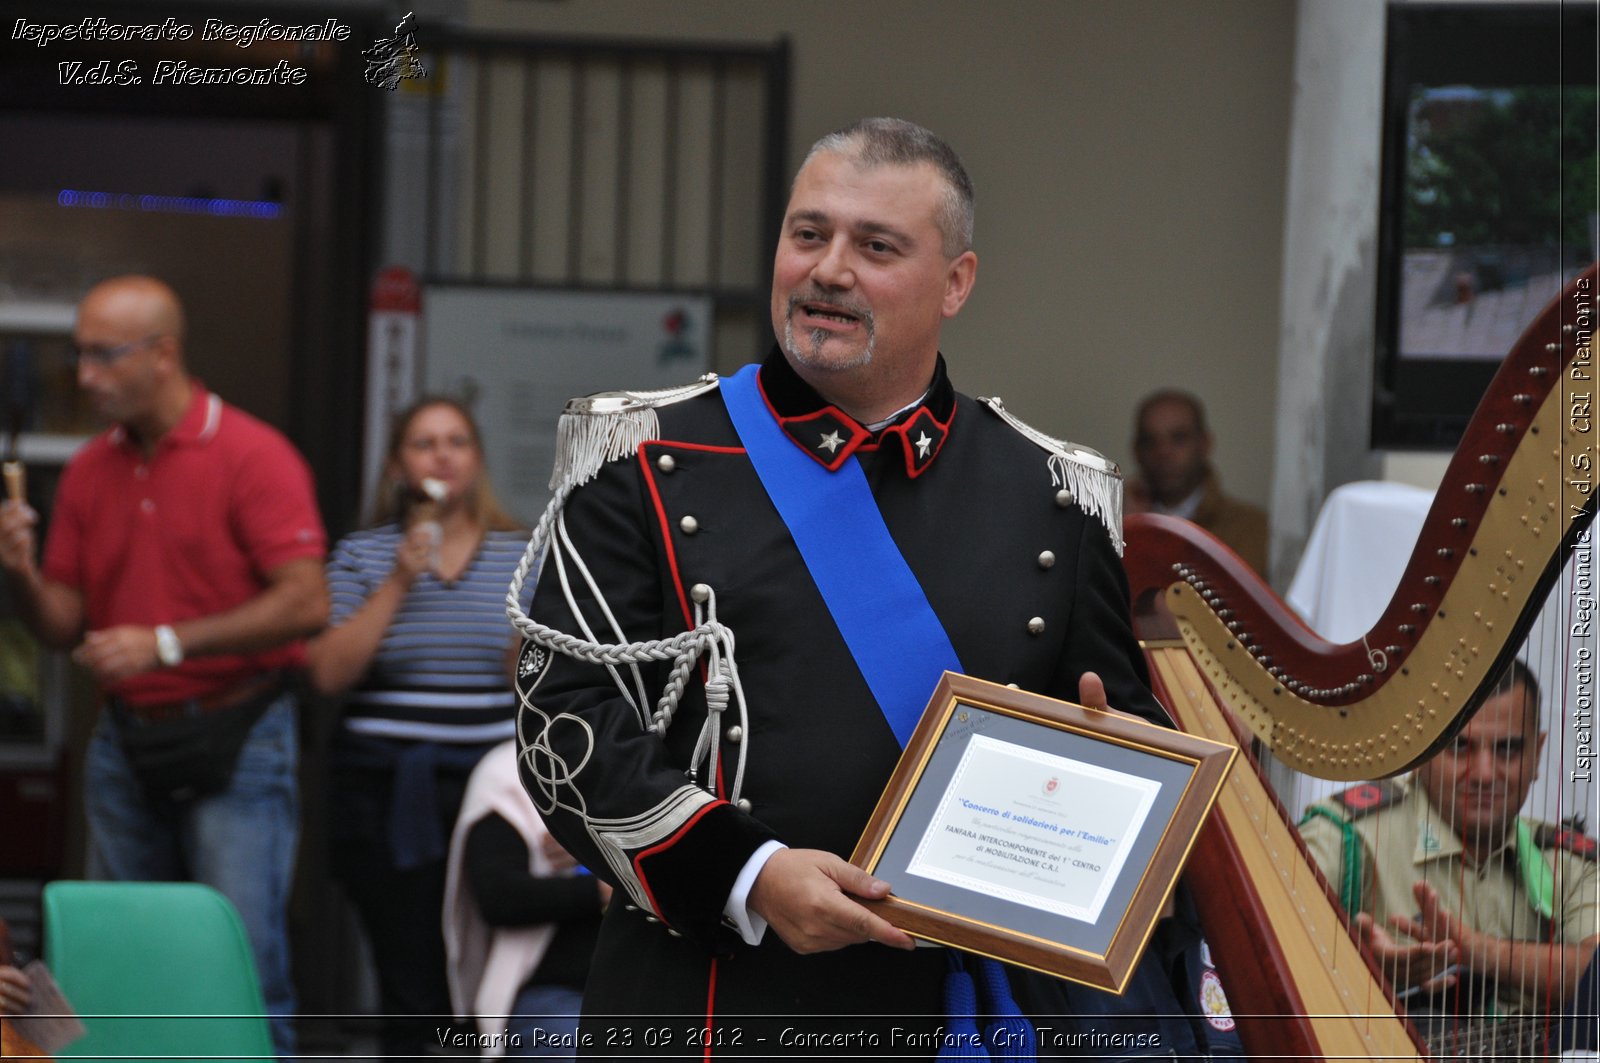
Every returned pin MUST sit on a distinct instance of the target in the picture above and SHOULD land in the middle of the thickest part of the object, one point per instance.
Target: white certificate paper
(1034, 828)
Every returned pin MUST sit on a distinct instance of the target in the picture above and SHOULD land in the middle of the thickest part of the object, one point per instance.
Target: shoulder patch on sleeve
(1550, 836)
(1087, 476)
(1368, 798)
(608, 425)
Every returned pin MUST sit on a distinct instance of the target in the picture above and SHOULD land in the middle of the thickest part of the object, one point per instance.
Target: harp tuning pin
(1391, 650)
(1458, 522)
(1432, 581)
(1475, 489)
(1521, 399)
(1233, 626)
(1505, 429)
(1418, 607)
(1407, 629)
(1445, 553)
(1489, 459)
(1538, 371)
(1553, 347)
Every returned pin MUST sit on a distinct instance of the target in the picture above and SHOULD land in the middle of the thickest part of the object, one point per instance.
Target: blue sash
(891, 631)
(874, 597)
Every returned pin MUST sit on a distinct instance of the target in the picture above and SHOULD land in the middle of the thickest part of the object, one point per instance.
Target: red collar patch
(921, 438)
(828, 435)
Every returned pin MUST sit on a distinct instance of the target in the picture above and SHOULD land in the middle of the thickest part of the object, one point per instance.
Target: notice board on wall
(518, 354)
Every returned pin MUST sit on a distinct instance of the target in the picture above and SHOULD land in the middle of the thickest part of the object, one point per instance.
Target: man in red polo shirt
(183, 565)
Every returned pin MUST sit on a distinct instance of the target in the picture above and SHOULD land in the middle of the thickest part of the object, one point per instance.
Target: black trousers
(400, 907)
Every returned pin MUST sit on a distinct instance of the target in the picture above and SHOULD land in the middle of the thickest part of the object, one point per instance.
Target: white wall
(1130, 168)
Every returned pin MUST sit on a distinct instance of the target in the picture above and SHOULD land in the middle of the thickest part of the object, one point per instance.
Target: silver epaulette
(1086, 476)
(603, 427)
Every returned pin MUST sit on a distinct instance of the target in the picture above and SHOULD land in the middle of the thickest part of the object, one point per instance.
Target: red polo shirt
(189, 532)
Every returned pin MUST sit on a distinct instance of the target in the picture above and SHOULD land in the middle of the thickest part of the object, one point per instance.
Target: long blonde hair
(395, 498)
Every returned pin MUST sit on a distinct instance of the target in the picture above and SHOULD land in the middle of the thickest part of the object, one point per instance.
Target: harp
(1231, 662)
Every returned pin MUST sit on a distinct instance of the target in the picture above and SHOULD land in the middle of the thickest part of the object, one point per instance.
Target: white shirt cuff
(749, 925)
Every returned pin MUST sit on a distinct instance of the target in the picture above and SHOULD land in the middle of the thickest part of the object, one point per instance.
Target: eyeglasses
(103, 356)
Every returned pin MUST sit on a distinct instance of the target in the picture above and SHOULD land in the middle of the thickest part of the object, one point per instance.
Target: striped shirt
(439, 674)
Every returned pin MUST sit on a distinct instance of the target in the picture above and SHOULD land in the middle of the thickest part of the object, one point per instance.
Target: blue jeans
(544, 1020)
(241, 841)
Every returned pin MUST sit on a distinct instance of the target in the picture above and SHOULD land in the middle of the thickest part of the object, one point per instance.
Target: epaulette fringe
(1095, 481)
(603, 427)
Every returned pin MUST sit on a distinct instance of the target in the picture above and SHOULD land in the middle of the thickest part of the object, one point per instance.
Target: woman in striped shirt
(419, 645)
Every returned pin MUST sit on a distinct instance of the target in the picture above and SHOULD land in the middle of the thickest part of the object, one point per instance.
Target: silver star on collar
(923, 443)
(831, 442)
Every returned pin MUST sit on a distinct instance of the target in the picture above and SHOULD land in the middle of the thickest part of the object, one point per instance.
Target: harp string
(1480, 1019)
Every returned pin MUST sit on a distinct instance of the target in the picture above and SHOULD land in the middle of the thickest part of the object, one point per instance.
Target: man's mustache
(848, 306)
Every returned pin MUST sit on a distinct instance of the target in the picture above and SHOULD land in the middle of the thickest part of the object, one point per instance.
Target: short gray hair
(895, 142)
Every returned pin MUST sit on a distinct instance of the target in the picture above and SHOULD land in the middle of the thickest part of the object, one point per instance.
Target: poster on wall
(516, 355)
(394, 307)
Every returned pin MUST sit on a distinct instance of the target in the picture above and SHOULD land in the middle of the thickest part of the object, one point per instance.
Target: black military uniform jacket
(1028, 586)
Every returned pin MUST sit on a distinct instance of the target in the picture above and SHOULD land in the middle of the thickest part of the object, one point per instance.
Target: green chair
(155, 970)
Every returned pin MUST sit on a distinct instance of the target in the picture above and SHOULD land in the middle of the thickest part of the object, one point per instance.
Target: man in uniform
(184, 563)
(819, 510)
(1172, 445)
(1455, 893)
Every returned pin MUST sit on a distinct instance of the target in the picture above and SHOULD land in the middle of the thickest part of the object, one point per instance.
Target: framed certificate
(1036, 831)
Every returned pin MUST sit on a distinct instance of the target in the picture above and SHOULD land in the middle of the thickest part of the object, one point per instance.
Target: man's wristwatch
(169, 651)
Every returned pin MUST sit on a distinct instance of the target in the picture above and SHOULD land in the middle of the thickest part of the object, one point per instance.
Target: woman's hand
(15, 992)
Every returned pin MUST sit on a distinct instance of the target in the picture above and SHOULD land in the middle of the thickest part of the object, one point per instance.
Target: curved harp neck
(1518, 493)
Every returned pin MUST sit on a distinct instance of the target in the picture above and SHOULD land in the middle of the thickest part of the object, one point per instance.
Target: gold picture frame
(990, 846)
